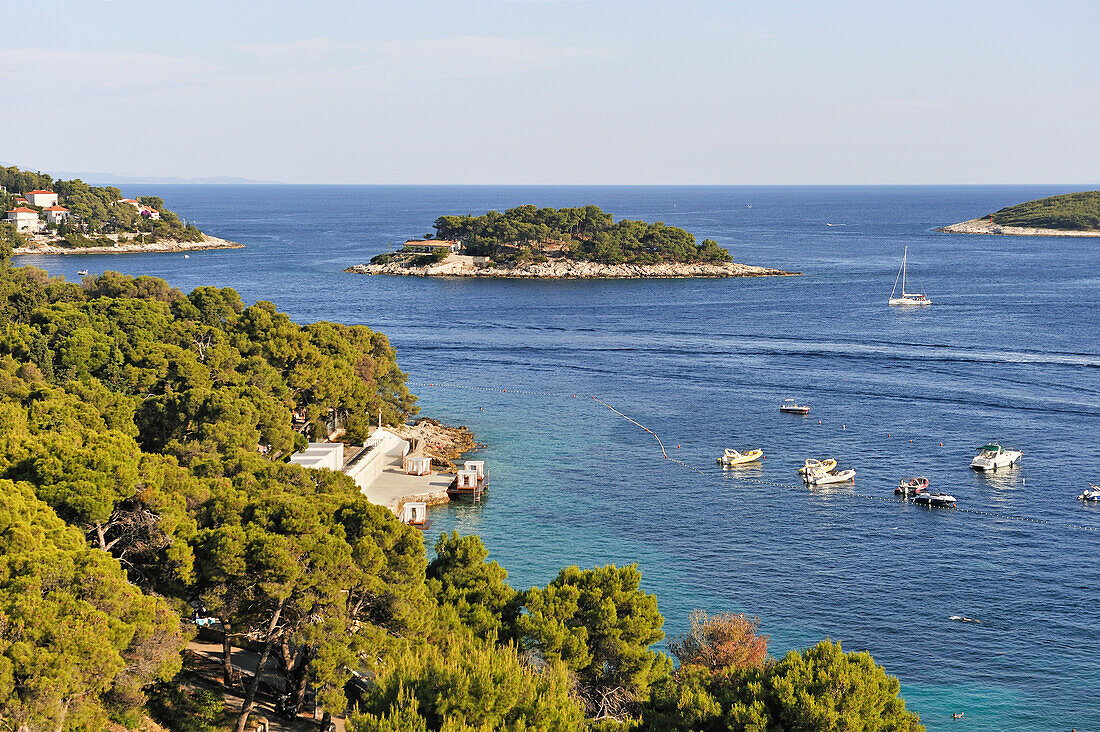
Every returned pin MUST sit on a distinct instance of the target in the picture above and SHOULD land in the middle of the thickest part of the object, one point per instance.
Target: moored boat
(1092, 493)
(935, 498)
(82, 272)
(735, 457)
(790, 406)
(823, 477)
(992, 456)
(912, 486)
(811, 464)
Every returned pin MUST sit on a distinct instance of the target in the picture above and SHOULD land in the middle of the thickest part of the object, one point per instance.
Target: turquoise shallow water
(1010, 350)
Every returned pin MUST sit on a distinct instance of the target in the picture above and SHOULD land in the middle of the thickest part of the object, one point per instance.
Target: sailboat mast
(904, 255)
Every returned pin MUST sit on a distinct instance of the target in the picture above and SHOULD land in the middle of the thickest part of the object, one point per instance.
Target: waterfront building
(430, 246)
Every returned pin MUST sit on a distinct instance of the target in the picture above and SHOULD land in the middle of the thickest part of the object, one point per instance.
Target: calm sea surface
(1009, 351)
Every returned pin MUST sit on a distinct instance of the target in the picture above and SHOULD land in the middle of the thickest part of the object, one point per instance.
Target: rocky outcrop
(442, 443)
(45, 246)
(458, 265)
(983, 226)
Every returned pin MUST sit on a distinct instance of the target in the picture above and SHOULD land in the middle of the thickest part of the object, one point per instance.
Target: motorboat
(824, 477)
(907, 298)
(82, 272)
(935, 498)
(790, 406)
(811, 464)
(912, 486)
(993, 456)
(735, 457)
(1092, 493)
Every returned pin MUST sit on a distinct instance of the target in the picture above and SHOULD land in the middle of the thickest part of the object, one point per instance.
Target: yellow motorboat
(822, 465)
(734, 457)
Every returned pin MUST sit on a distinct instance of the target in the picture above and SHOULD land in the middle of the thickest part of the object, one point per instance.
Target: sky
(556, 91)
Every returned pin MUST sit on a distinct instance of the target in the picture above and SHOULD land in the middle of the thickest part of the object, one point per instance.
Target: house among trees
(56, 214)
(431, 246)
(25, 219)
(42, 199)
(147, 212)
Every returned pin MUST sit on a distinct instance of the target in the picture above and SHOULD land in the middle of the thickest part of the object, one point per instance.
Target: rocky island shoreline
(48, 246)
(458, 265)
(984, 226)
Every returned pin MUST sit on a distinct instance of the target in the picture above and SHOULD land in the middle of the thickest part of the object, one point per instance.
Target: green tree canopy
(79, 642)
(463, 685)
(822, 689)
(601, 625)
(460, 577)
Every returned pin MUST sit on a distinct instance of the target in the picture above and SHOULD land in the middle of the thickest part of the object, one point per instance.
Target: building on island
(25, 219)
(129, 202)
(431, 246)
(42, 199)
(148, 212)
(56, 214)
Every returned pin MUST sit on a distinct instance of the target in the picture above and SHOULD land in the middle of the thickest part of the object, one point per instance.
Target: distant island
(567, 243)
(44, 216)
(1071, 214)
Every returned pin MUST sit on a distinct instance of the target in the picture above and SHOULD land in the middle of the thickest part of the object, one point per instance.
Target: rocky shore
(442, 443)
(46, 246)
(458, 265)
(983, 226)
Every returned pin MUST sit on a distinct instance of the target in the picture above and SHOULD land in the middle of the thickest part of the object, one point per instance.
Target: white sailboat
(907, 298)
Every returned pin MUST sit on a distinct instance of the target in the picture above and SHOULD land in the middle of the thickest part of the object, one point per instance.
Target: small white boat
(790, 406)
(942, 500)
(735, 457)
(907, 298)
(992, 456)
(826, 477)
(825, 465)
(82, 273)
(1092, 493)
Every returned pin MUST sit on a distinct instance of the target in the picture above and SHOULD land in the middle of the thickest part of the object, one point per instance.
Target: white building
(25, 219)
(42, 198)
(149, 212)
(430, 246)
(320, 455)
(364, 464)
(56, 214)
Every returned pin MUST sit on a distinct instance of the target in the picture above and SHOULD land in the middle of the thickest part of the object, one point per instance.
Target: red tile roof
(56, 208)
(23, 209)
(30, 192)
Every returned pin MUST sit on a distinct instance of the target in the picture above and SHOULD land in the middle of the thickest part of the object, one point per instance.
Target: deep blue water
(1010, 351)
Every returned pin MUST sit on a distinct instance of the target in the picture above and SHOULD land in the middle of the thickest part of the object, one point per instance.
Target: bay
(1010, 351)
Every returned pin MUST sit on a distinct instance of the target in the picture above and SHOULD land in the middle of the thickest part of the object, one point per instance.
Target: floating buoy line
(757, 481)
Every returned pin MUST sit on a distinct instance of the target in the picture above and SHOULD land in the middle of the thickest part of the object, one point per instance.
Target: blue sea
(1010, 351)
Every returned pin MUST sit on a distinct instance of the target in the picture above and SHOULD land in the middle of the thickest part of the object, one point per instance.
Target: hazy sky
(556, 91)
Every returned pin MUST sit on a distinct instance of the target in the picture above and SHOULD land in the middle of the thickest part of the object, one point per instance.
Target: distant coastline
(984, 226)
(457, 265)
(164, 246)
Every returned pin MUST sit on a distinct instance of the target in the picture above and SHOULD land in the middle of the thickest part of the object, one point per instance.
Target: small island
(1071, 214)
(44, 216)
(569, 243)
